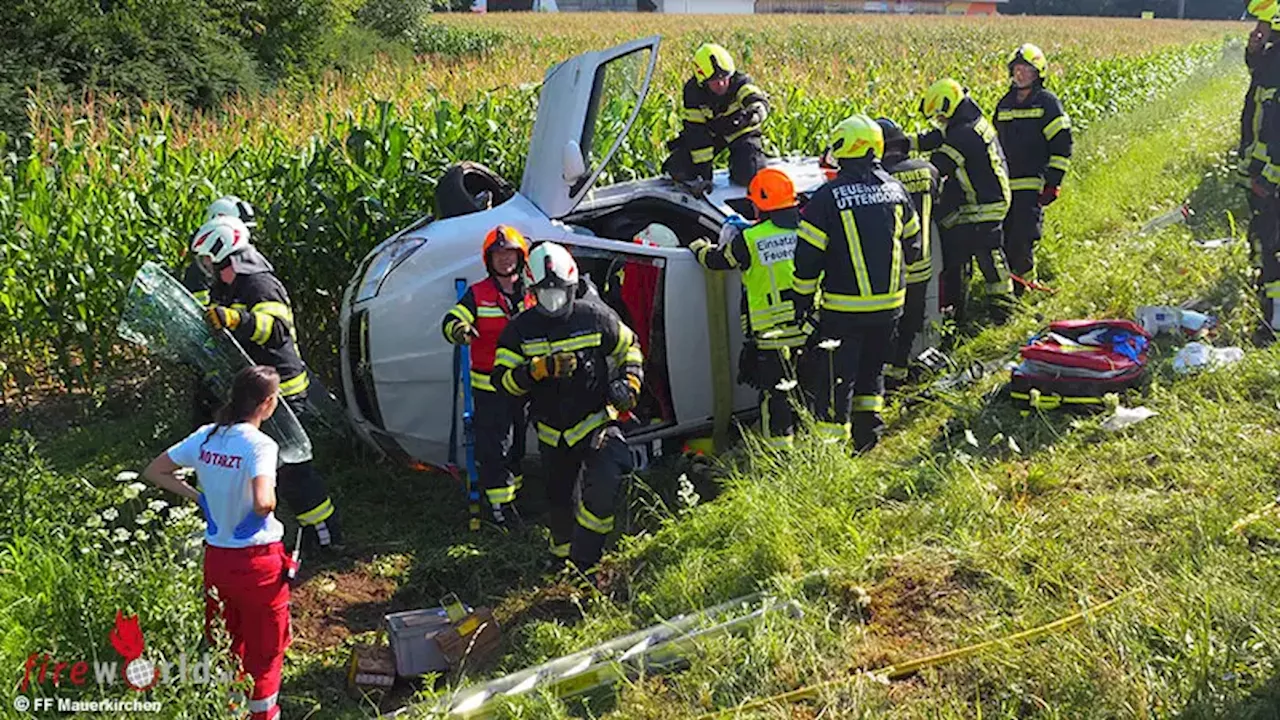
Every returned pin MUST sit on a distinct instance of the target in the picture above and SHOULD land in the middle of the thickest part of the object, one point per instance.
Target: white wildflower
(140, 535)
(126, 476)
(110, 514)
(970, 438)
(157, 505)
(786, 386)
(830, 344)
(93, 521)
(144, 518)
(120, 535)
(132, 490)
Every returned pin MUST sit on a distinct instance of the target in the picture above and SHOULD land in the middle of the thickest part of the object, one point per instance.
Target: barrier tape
(899, 670)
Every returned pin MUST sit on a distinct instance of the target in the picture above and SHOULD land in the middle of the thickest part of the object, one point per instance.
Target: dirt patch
(560, 602)
(333, 605)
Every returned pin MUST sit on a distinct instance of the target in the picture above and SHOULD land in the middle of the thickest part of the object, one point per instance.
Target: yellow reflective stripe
(811, 234)
(575, 434)
(831, 432)
(579, 342)
(548, 435)
(509, 384)
(508, 358)
(702, 155)
(919, 272)
(561, 550)
(855, 251)
(1273, 289)
(912, 227)
(743, 131)
(274, 309)
(746, 91)
(1055, 126)
(504, 495)
(804, 286)
(201, 296)
(966, 184)
(461, 312)
(490, 311)
(590, 521)
(695, 115)
(535, 348)
(481, 381)
(1058, 162)
(262, 327)
(868, 303)
(781, 442)
(318, 514)
(634, 356)
(239, 306)
(895, 267)
(1027, 183)
(868, 403)
(952, 153)
(295, 385)
(1027, 114)
(626, 339)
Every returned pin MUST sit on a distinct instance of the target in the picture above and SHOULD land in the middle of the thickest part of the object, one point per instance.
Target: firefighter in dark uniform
(1258, 46)
(250, 302)
(1035, 134)
(579, 366)
(721, 108)
(205, 401)
(858, 235)
(1264, 175)
(765, 254)
(975, 196)
(478, 321)
(923, 184)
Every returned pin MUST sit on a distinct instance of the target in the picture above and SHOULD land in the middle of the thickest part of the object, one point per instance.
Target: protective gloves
(1049, 195)
(462, 333)
(249, 526)
(622, 393)
(220, 317)
(558, 365)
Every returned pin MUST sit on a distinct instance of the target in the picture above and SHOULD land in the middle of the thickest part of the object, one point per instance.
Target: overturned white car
(398, 371)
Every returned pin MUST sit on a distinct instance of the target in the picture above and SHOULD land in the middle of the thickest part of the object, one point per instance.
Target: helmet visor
(205, 263)
(552, 299)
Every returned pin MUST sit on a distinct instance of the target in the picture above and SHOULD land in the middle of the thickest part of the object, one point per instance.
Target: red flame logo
(126, 637)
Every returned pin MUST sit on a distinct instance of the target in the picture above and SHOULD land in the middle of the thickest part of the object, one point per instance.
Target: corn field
(95, 189)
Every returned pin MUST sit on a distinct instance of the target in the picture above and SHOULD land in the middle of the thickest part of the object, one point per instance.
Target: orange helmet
(772, 189)
(505, 237)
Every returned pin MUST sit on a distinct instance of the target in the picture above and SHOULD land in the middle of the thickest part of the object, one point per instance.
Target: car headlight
(383, 263)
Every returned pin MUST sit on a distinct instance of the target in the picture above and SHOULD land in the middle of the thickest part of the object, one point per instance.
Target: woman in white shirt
(245, 564)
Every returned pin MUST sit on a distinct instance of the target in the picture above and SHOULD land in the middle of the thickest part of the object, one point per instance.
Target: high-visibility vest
(773, 251)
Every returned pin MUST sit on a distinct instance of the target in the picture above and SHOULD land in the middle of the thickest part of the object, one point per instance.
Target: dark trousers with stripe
(1022, 230)
(602, 460)
(746, 157)
(777, 412)
(303, 489)
(848, 383)
(1266, 225)
(983, 243)
(500, 426)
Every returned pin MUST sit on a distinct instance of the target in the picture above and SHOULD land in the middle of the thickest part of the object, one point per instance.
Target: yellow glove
(222, 317)
(559, 365)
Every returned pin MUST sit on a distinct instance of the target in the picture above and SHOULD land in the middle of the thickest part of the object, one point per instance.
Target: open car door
(587, 105)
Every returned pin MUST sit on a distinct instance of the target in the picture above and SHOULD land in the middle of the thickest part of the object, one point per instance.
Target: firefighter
(765, 254)
(1264, 11)
(579, 366)
(1035, 134)
(859, 235)
(922, 181)
(1264, 174)
(975, 196)
(478, 321)
(722, 108)
(251, 303)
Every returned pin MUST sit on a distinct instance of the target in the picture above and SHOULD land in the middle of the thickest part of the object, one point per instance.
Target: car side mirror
(574, 166)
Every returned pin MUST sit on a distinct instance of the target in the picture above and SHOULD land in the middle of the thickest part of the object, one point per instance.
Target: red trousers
(249, 588)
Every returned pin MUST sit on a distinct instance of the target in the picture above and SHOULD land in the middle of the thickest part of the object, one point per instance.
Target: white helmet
(552, 273)
(658, 235)
(217, 240)
(232, 206)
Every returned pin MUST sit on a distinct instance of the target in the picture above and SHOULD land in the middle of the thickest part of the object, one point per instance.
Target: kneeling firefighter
(765, 253)
(250, 302)
(478, 320)
(859, 233)
(579, 366)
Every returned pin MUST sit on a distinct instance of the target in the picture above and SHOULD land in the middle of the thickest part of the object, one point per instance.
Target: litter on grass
(1160, 319)
(1197, 355)
(1124, 417)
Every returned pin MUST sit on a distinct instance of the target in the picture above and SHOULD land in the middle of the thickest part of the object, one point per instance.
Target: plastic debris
(1198, 355)
(1215, 243)
(1158, 319)
(1124, 417)
(1180, 214)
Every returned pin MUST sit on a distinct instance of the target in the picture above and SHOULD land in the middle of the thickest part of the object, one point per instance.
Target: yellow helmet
(1034, 56)
(857, 136)
(711, 60)
(1263, 10)
(941, 99)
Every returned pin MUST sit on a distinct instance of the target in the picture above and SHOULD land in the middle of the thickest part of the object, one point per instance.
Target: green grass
(953, 542)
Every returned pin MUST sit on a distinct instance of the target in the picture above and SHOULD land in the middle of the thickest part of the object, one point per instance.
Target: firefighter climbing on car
(1035, 134)
(720, 108)
(249, 301)
(975, 196)
(579, 366)
(922, 182)
(765, 254)
(478, 320)
(858, 235)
